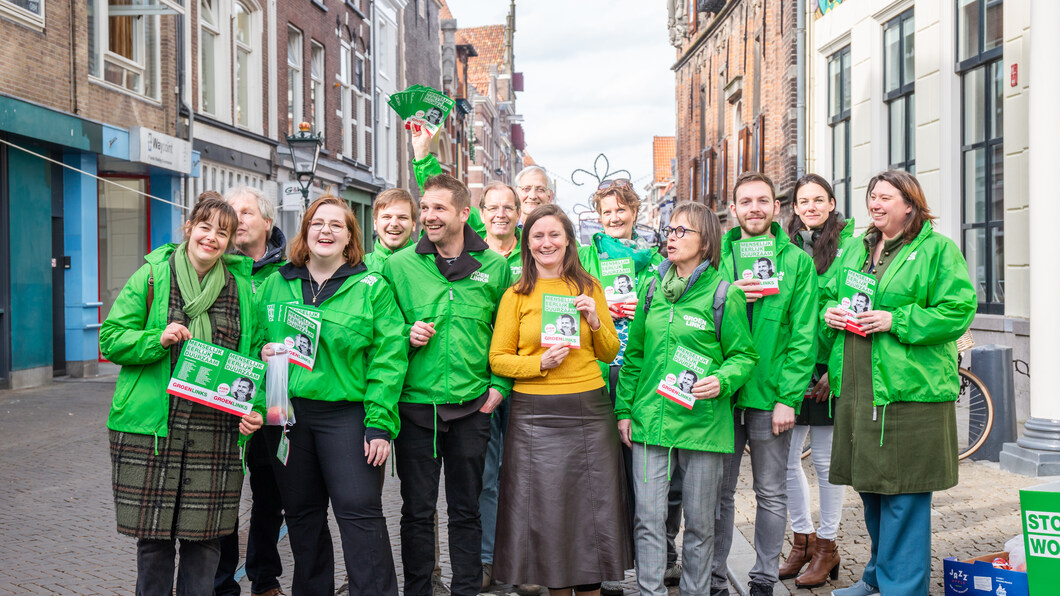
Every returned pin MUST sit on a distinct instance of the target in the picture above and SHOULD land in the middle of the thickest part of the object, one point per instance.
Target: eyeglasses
(336, 227)
(529, 189)
(679, 231)
(617, 183)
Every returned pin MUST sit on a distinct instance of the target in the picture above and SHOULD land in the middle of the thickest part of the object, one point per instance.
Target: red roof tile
(444, 12)
(664, 149)
(527, 160)
(489, 43)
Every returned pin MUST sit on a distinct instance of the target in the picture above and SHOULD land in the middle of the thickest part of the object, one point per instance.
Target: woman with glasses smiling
(618, 206)
(346, 406)
(670, 430)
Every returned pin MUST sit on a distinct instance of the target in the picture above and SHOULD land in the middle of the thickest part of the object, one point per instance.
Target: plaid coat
(186, 484)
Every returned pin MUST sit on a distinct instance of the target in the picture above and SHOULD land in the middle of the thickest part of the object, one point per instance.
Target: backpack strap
(150, 291)
(719, 307)
(651, 292)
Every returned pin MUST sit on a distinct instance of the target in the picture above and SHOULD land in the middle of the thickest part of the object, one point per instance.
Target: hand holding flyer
(855, 297)
(422, 106)
(756, 259)
(617, 276)
(560, 321)
(681, 373)
(216, 377)
(297, 327)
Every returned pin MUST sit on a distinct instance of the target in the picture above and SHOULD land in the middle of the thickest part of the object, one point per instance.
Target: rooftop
(489, 43)
(663, 150)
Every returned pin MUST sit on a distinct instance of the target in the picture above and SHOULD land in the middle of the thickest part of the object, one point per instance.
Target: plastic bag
(278, 410)
(1016, 555)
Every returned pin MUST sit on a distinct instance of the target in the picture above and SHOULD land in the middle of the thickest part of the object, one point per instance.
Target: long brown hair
(354, 251)
(912, 194)
(824, 250)
(571, 272)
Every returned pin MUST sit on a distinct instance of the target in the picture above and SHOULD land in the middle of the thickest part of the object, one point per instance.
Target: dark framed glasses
(617, 183)
(679, 231)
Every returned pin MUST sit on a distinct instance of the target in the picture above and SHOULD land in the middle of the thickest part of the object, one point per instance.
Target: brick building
(452, 144)
(735, 81)
(421, 57)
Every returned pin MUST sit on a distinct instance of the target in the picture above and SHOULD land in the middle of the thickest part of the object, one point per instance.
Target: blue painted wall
(30, 212)
(165, 218)
(81, 243)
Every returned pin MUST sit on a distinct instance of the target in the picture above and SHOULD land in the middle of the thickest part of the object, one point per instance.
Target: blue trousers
(900, 529)
(491, 480)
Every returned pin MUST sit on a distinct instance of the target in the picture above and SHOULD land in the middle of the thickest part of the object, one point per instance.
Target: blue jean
(702, 472)
(900, 529)
(491, 480)
(155, 561)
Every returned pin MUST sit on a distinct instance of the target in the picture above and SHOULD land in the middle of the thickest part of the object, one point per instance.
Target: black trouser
(155, 560)
(326, 461)
(673, 512)
(266, 516)
(463, 450)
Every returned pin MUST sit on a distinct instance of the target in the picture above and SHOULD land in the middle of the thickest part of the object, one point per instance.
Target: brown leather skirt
(562, 518)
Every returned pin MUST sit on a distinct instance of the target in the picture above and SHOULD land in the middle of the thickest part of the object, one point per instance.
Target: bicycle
(975, 407)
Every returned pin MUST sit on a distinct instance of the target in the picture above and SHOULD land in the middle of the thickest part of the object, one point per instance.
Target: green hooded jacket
(927, 290)
(131, 337)
(361, 356)
(375, 259)
(454, 365)
(653, 338)
(784, 326)
(429, 166)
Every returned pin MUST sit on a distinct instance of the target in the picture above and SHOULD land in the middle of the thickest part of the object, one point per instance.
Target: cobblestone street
(57, 525)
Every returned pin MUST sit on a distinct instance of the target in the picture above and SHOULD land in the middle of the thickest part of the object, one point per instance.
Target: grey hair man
(256, 236)
(534, 188)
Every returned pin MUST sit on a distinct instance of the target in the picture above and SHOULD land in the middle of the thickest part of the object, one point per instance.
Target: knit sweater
(516, 350)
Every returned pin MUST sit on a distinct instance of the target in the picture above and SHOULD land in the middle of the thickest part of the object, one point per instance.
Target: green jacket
(927, 290)
(131, 338)
(784, 326)
(847, 242)
(653, 338)
(454, 365)
(429, 166)
(515, 258)
(361, 356)
(375, 259)
(272, 260)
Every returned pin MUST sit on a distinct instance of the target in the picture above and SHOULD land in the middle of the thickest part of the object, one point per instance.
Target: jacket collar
(383, 250)
(905, 255)
(465, 264)
(692, 279)
(780, 238)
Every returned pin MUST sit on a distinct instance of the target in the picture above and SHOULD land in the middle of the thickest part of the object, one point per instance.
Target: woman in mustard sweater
(562, 433)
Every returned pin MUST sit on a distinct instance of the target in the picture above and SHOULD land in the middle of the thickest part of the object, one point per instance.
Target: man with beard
(393, 217)
(448, 288)
(257, 238)
(783, 328)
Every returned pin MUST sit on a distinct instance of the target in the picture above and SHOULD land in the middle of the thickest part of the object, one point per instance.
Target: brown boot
(802, 547)
(825, 563)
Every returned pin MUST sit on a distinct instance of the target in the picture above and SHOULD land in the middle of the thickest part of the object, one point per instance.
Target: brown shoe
(825, 563)
(272, 592)
(802, 548)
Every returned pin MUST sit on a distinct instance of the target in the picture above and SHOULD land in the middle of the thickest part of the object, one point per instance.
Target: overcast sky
(597, 80)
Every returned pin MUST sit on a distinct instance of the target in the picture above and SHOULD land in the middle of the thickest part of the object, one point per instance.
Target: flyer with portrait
(617, 276)
(216, 377)
(856, 291)
(681, 372)
(560, 321)
(756, 259)
(422, 105)
(297, 327)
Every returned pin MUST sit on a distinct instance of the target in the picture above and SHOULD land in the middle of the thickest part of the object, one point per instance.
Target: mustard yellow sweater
(515, 351)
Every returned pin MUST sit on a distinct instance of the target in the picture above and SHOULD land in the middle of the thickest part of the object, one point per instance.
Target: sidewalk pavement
(57, 531)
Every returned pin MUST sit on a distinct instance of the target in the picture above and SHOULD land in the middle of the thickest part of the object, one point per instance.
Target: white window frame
(296, 95)
(254, 76)
(24, 16)
(316, 85)
(145, 63)
(220, 60)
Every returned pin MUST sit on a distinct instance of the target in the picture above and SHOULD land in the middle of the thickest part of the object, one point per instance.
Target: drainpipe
(181, 105)
(800, 89)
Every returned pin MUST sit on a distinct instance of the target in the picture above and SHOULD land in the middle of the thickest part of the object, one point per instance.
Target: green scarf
(198, 296)
(614, 248)
(673, 285)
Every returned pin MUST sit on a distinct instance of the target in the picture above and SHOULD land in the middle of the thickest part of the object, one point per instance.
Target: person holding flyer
(783, 321)
(175, 462)
(345, 404)
(895, 422)
(573, 534)
(820, 230)
(447, 287)
(394, 219)
(613, 253)
(678, 331)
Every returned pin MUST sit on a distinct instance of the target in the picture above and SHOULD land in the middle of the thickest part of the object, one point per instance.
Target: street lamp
(305, 149)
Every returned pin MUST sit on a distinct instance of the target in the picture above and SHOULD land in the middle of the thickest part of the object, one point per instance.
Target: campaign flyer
(617, 276)
(681, 372)
(856, 291)
(422, 105)
(216, 377)
(560, 321)
(297, 327)
(756, 259)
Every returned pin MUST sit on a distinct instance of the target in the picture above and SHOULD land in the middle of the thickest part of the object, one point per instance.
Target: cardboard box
(978, 577)
(1041, 537)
